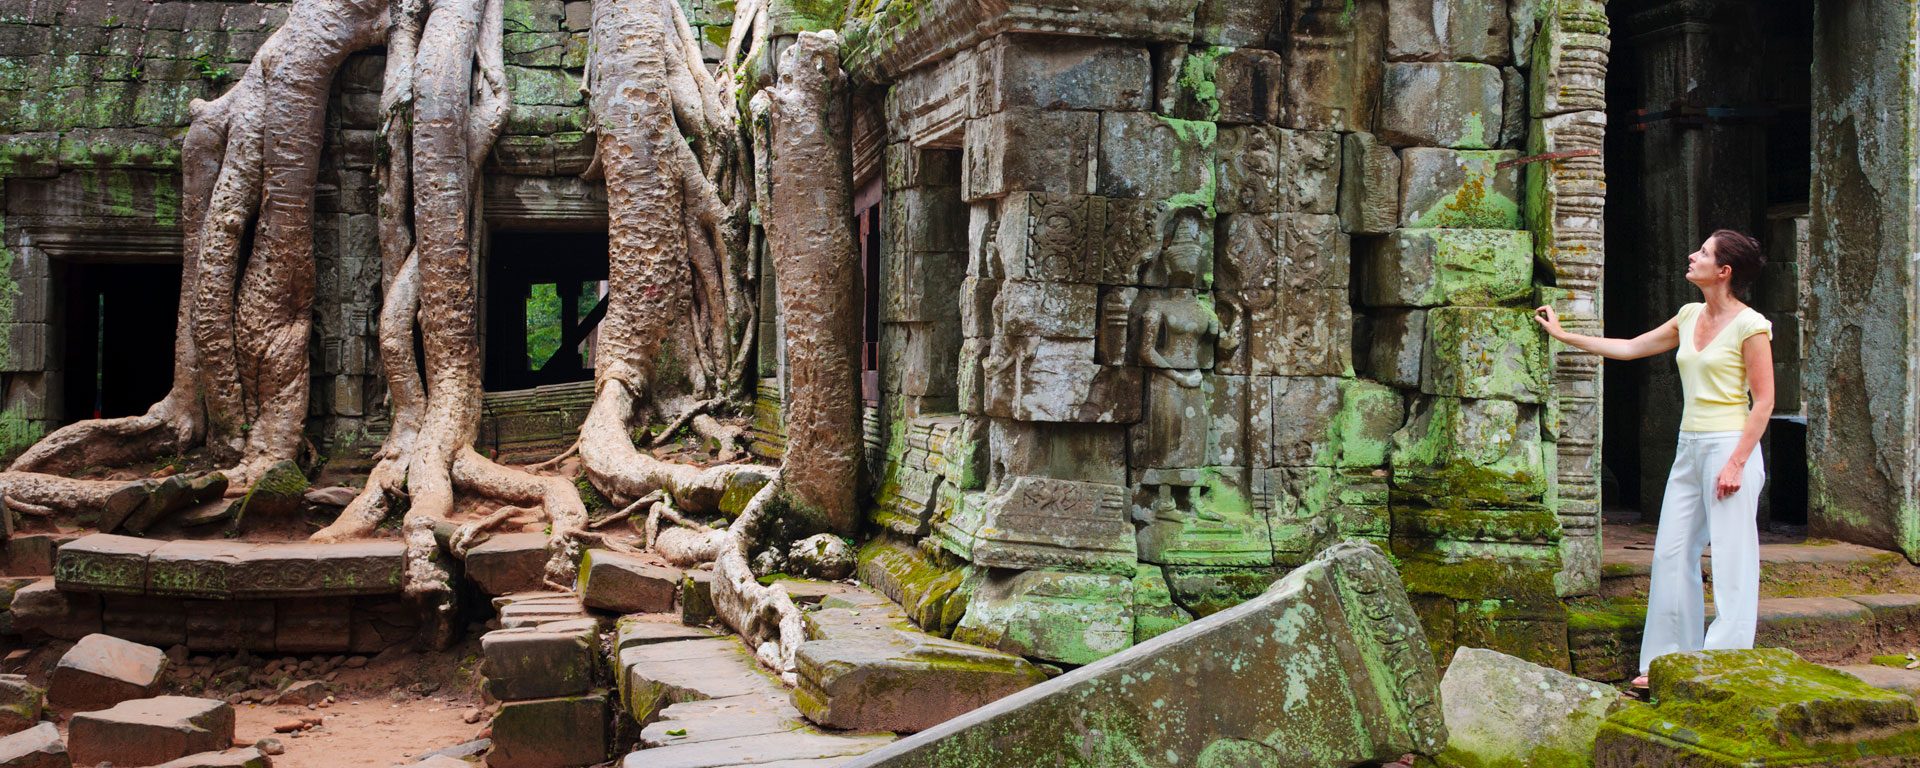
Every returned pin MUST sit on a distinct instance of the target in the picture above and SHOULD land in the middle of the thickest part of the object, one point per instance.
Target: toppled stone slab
(101, 671)
(40, 610)
(509, 563)
(20, 704)
(550, 733)
(1764, 706)
(150, 731)
(867, 667)
(1502, 711)
(556, 659)
(1247, 686)
(623, 583)
(245, 757)
(36, 747)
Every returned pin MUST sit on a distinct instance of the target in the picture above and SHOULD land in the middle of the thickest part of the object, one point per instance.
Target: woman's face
(1703, 269)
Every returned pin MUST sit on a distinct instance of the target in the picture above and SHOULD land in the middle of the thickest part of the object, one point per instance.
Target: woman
(1717, 472)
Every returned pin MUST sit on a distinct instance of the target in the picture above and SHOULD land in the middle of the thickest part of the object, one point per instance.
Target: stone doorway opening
(1709, 128)
(119, 327)
(547, 292)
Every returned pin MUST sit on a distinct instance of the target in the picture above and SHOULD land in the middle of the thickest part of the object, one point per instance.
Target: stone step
(534, 609)
(1809, 568)
(338, 624)
(1605, 635)
(703, 701)
(228, 570)
(865, 666)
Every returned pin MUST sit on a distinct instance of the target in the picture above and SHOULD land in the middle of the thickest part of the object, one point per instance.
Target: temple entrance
(546, 294)
(1708, 128)
(119, 322)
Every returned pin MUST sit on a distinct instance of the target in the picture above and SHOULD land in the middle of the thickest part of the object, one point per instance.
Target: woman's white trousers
(1691, 517)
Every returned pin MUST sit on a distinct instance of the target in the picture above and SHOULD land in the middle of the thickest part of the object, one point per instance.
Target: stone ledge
(219, 570)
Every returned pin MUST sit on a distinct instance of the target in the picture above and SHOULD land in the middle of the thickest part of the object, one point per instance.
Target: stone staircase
(1831, 602)
(684, 695)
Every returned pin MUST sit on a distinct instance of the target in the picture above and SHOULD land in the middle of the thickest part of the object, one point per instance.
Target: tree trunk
(816, 267)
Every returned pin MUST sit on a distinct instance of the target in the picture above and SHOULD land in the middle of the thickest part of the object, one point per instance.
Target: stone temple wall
(1225, 284)
(94, 99)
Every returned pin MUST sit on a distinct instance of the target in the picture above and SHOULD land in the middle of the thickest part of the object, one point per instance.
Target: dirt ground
(362, 732)
(384, 711)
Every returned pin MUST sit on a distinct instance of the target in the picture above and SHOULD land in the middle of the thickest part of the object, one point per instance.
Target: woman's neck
(1720, 300)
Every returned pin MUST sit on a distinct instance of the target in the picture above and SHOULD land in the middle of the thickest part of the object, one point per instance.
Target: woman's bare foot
(1639, 682)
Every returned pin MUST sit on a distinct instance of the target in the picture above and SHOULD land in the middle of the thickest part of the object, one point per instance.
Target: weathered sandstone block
(150, 731)
(1340, 623)
(101, 671)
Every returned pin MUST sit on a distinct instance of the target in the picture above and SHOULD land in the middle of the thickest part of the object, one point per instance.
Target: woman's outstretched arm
(1662, 339)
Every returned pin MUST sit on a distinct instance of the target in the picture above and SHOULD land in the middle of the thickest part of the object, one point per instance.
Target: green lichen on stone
(871, 28)
(1199, 135)
(1456, 452)
(1488, 570)
(1154, 612)
(17, 432)
(1477, 202)
(1198, 73)
(1763, 707)
(1362, 432)
(595, 502)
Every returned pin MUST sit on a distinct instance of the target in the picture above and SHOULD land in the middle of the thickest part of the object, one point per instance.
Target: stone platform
(217, 596)
(1830, 602)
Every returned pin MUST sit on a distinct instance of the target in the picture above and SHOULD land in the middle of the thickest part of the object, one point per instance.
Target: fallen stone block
(150, 731)
(1501, 710)
(1763, 706)
(101, 671)
(556, 659)
(1246, 686)
(20, 704)
(550, 733)
(40, 610)
(246, 757)
(622, 583)
(867, 668)
(696, 598)
(508, 563)
(36, 747)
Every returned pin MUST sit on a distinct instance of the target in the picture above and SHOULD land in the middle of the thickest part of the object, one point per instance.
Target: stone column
(1863, 433)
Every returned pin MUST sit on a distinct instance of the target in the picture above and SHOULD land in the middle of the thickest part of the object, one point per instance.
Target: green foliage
(211, 70)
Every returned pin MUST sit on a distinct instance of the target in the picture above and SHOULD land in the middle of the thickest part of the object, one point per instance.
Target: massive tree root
(249, 161)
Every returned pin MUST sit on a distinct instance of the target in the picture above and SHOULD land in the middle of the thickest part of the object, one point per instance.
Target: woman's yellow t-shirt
(1715, 377)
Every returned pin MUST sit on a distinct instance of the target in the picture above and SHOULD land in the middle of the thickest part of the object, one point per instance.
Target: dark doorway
(1708, 128)
(119, 349)
(546, 293)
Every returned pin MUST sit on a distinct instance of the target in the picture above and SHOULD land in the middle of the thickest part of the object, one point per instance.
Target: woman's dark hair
(1742, 253)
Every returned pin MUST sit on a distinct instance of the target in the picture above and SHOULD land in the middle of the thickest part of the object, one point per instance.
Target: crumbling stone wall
(1239, 280)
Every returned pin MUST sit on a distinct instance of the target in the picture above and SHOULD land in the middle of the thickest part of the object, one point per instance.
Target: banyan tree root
(249, 163)
(763, 614)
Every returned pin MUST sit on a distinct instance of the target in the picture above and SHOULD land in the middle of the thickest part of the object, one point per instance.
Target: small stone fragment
(304, 692)
(36, 747)
(821, 556)
(20, 704)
